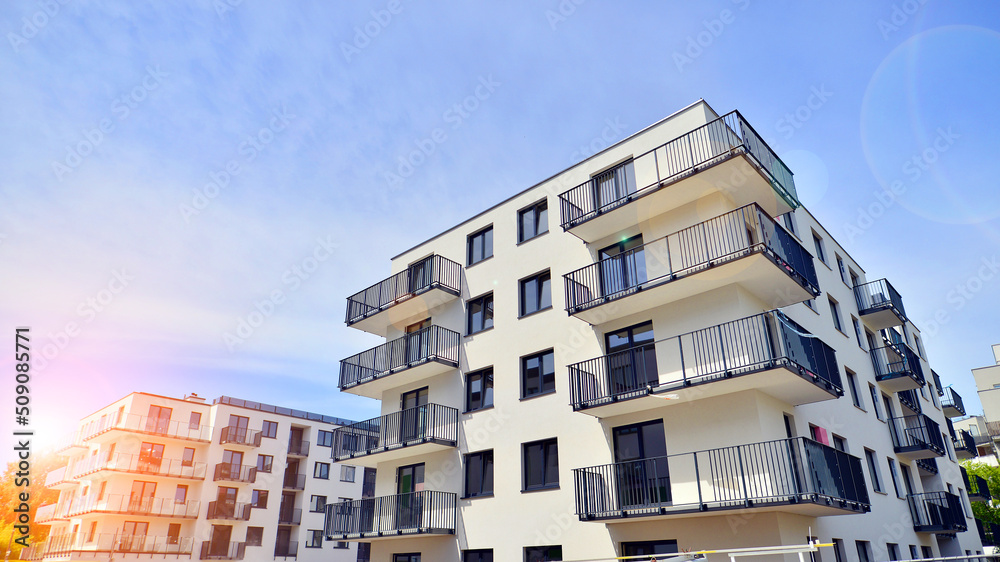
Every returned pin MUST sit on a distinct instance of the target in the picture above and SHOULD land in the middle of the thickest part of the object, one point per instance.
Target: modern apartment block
(656, 349)
(985, 432)
(151, 476)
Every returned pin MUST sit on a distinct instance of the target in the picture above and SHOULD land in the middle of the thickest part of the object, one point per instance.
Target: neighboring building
(978, 428)
(988, 384)
(655, 349)
(154, 476)
(985, 430)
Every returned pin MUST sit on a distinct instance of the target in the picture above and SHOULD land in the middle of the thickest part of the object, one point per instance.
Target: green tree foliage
(38, 495)
(986, 511)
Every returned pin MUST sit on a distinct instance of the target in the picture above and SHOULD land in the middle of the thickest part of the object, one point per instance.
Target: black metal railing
(401, 514)
(433, 343)
(785, 471)
(937, 383)
(140, 464)
(928, 465)
(228, 509)
(915, 433)
(989, 533)
(434, 272)
(965, 443)
(876, 296)
(430, 423)
(289, 515)
(293, 481)
(953, 400)
(233, 435)
(235, 473)
(725, 238)
(757, 343)
(910, 399)
(298, 448)
(896, 360)
(976, 486)
(707, 145)
(937, 512)
(219, 550)
(289, 548)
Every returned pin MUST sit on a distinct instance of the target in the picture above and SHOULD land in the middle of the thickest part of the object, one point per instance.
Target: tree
(986, 511)
(38, 495)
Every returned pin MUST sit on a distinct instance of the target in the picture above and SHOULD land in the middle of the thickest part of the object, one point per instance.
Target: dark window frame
(548, 447)
(269, 429)
(486, 474)
(534, 208)
(321, 470)
(541, 281)
(481, 301)
(484, 384)
(324, 438)
(543, 388)
(479, 237)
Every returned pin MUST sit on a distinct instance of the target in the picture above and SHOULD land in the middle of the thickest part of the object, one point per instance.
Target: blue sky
(168, 167)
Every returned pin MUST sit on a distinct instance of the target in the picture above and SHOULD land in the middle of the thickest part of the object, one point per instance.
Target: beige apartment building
(151, 476)
(656, 349)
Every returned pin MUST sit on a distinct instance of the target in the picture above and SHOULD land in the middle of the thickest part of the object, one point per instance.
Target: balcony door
(409, 506)
(233, 461)
(612, 187)
(622, 266)
(295, 440)
(413, 422)
(133, 536)
(219, 545)
(421, 274)
(291, 473)
(150, 457)
(631, 358)
(641, 471)
(225, 502)
(140, 499)
(286, 511)
(283, 541)
(158, 420)
(238, 428)
(417, 341)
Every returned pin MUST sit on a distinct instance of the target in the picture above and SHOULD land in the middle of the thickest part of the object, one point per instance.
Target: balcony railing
(928, 465)
(416, 513)
(70, 544)
(726, 238)
(430, 423)
(290, 548)
(952, 403)
(749, 345)
(910, 399)
(876, 296)
(46, 513)
(937, 512)
(707, 145)
(298, 448)
(235, 473)
(896, 361)
(133, 505)
(57, 477)
(438, 273)
(233, 435)
(773, 473)
(913, 434)
(989, 533)
(227, 509)
(222, 550)
(159, 426)
(965, 444)
(976, 486)
(293, 481)
(289, 516)
(141, 464)
(433, 343)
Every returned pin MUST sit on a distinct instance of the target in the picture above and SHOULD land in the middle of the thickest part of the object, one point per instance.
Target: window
(542, 553)
(479, 474)
(854, 278)
(788, 220)
(871, 389)
(839, 443)
(345, 544)
(893, 549)
(840, 266)
(264, 463)
(920, 347)
(479, 390)
(315, 537)
(835, 312)
(818, 242)
(873, 471)
(947, 447)
(255, 536)
(857, 331)
(541, 465)
(195, 422)
(325, 438)
(913, 552)
(317, 504)
(811, 303)
(538, 374)
(852, 385)
(347, 473)
(480, 314)
(864, 551)
(838, 550)
(259, 499)
(530, 223)
(174, 533)
(322, 470)
(269, 429)
(895, 481)
(927, 552)
(642, 548)
(536, 293)
(92, 532)
(100, 491)
(480, 245)
(181, 494)
(188, 458)
(414, 557)
(890, 412)
(483, 555)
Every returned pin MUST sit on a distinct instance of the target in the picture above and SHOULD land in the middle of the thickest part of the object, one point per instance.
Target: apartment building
(153, 476)
(656, 349)
(985, 432)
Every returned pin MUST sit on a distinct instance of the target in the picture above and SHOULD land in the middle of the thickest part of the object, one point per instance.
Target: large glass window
(538, 375)
(533, 221)
(536, 293)
(481, 245)
(479, 390)
(542, 553)
(480, 314)
(479, 474)
(541, 464)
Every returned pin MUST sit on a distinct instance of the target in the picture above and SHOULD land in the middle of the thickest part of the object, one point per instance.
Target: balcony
(76, 545)
(70, 444)
(927, 467)
(937, 512)
(286, 549)
(293, 481)
(952, 404)
(989, 533)
(723, 156)
(910, 399)
(411, 432)
(229, 472)
(965, 445)
(424, 513)
(417, 356)
(48, 513)
(98, 432)
(133, 505)
(239, 436)
(916, 437)
(298, 448)
(221, 550)
(289, 516)
(744, 247)
(879, 304)
(142, 464)
(976, 486)
(897, 367)
(407, 296)
(768, 352)
(795, 475)
(229, 510)
(58, 479)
